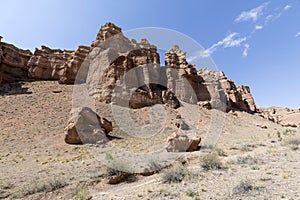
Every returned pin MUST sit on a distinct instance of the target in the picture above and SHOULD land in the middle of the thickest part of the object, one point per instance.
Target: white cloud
(198, 55)
(268, 18)
(278, 12)
(287, 7)
(252, 14)
(297, 34)
(229, 41)
(245, 52)
(257, 27)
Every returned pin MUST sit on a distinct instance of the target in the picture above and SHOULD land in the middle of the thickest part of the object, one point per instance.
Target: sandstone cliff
(56, 64)
(13, 63)
(122, 68)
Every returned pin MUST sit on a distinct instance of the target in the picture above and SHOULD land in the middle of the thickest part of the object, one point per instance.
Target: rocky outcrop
(56, 64)
(13, 63)
(284, 116)
(108, 30)
(182, 77)
(119, 68)
(183, 141)
(235, 97)
(85, 126)
(112, 57)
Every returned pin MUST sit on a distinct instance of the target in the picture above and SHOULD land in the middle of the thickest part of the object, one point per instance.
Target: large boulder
(85, 126)
(183, 141)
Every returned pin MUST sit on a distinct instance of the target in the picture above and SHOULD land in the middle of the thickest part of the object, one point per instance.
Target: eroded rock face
(13, 63)
(112, 57)
(85, 126)
(56, 64)
(284, 116)
(72, 65)
(115, 63)
(182, 77)
(235, 97)
(106, 31)
(183, 141)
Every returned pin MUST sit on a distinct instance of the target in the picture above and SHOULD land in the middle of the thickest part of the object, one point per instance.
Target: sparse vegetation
(288, 132)
(247, 147)
(211, 161)
(220, 152)
(278, 133)
(36, 187)
(175, 174)
(118, 175)
(293, 142)
(244, 186)
(82, 195)
(191, 193)
(248, 160)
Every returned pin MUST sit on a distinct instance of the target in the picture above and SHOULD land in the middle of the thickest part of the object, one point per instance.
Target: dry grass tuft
(211, 161)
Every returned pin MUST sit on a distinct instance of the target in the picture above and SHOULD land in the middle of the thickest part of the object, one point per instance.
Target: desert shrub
(211, 161)
(82, 194)
(247, 147)
(278, 133)
(288, 131)
(220, 152)
(111, 171)
(117, 174)
(175, 174)
(293, 141)
(45, 186)
(244, 186)
(248, 160)
(191, 193)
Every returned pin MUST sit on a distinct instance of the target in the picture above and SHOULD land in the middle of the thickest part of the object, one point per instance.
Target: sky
(256, 43)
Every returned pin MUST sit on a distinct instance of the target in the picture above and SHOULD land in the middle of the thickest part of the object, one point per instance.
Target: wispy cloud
(277, 13)
(231, 40)
(297, 34)
(245, 51)
(258, 27)
(261, 16)
(253, 14)
(287, 7)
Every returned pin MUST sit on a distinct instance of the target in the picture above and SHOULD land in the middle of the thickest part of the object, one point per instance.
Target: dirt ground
(36, 163)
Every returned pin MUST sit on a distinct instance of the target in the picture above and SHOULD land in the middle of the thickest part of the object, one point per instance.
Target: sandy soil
(36, 163)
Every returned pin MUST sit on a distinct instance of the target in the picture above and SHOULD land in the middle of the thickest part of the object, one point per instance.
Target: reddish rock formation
(72, 65)
(182, 77)
(56, 64)
(111, 61)
(236, 97)
(108, 30)
(112, 58)
(284, 116)
(13, 63)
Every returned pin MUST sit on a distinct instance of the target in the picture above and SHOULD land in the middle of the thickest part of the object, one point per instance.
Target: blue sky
(256, 43)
